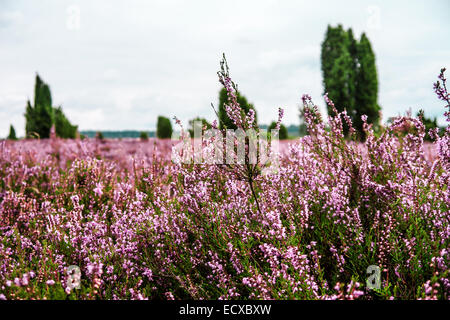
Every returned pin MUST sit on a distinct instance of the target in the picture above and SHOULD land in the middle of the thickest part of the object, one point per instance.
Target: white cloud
(10, 19)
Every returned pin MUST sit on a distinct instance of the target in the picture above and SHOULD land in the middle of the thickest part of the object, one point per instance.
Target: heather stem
(250, 182)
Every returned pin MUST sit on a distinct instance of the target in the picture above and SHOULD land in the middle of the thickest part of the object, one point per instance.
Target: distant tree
(366, 86)
(41, 114)
(42, 94)
(40, 117)
(224, 120)
(99, 135)
(163, 128)
(63, 127)
(204, 122)
(30, 120)
(283, 133)
(12, 133)
(337, 67)
(350, 76)
(143, 136)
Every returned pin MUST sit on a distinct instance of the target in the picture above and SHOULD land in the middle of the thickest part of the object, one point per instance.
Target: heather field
(133, 167)
(140, 226)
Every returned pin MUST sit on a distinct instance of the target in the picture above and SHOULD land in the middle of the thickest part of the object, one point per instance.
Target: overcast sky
(116, 65)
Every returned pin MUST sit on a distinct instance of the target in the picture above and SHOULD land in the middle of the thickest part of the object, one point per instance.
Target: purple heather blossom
(98, 190)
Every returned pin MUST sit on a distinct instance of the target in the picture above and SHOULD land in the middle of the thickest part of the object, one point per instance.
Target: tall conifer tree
(350, 75)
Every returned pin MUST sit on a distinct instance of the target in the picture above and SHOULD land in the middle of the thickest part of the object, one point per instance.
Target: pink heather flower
(250, 117)
(169, 296)
(98, 189)
(358, 293)
(24, 280)
(50, 282)
(2, 297)
(8, 283)
(306, 98)
(17, 282)
(280, 117)
(337, 287)
(328, 100)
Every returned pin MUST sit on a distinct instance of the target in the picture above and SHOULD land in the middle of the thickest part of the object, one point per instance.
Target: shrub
(64, 129)
(12, 133)
(163, 128)
(143, 135)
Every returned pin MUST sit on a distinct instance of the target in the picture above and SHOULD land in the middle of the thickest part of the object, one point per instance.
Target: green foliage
(224, 120)
(366, 86)
(63, 127)
(41, 114)
(163, 128)
(30, 120)
(337, 68)
(204, 122)
(143, 135)
(283, 133)
(350, 76)
(40, 117)
(42, 94)
(12, 133)
(99, 135)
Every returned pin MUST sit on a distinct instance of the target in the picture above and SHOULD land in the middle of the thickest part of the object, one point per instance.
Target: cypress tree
(43, 108)
(367, 86)
(350, 75)
(40, 117)
(12, 133)
(30, 120)
(352, 47)
(336, 65)
(42, 94)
